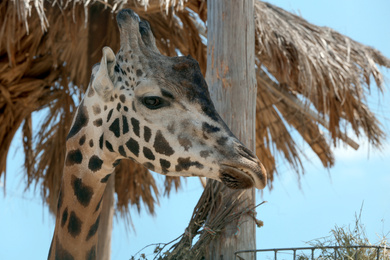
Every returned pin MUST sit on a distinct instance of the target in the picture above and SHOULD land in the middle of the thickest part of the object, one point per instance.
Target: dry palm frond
(328, 70)
(311, 79)
(273, 109)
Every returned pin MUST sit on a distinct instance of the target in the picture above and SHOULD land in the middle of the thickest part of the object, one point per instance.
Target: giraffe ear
(103, 81)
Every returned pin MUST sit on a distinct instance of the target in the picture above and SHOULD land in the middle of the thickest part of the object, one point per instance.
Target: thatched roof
(311, 79)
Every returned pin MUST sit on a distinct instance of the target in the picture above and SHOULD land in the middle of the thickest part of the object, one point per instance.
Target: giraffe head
(157, 111)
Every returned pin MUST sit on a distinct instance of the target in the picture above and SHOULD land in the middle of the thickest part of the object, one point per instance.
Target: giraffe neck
(79, 205)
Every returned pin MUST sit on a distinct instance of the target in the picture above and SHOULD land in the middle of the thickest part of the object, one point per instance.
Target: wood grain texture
(232, 83)
(97, 34)
(103, 251)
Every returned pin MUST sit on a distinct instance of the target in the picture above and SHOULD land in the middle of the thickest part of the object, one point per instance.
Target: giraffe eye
(153, 102)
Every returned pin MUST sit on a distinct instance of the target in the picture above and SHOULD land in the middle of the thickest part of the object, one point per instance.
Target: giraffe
(153, 109)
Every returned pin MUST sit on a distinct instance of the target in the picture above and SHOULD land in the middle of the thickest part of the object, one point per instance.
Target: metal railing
(336, 254)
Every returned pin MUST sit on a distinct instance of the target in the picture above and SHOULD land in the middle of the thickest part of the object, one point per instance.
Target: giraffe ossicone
(153, 109)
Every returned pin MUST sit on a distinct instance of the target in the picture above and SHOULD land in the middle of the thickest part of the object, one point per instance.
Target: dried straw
(205, 226)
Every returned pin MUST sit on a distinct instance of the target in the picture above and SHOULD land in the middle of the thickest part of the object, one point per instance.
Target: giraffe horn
(147, 35)
(128, 23)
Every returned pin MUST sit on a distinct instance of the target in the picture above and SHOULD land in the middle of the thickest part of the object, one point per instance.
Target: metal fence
(378, 253)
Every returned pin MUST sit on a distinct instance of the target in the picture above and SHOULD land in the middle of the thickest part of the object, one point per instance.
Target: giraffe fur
(143, 106)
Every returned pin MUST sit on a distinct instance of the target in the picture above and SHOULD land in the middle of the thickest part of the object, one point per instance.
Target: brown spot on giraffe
(95, 163)
(80, 121)
(91, 255)
(93, 229)
(185, 142)
(149, 166)
(147, 133)
(125, 125)
(64, 217)
(148, 154)
(82, 140)
(96, 109)
(133, 146)
(135, 124)
(74, 224)
(98, 122)
(74, 157)
(105, 179)
(165, 165)
(184, 164)
(82, 192)
(161, 145)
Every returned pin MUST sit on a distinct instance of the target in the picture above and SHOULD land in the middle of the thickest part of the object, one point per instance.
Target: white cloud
(365, 152)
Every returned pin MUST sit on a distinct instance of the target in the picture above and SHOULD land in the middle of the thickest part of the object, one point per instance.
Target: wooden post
(98, 19)
(232, 83)
(105, 223)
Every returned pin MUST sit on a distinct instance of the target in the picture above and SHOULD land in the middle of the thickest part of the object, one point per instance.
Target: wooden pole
(105, 223)
(98, 21)
(232, 83)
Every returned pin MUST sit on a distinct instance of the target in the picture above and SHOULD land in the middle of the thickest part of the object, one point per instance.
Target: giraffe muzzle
(243, 176)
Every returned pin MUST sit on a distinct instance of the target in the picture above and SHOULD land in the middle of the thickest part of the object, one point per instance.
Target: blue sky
(293, 214)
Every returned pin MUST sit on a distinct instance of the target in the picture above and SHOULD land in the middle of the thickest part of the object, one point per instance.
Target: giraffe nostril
(246, 153)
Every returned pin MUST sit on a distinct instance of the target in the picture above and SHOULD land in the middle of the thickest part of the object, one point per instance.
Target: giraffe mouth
(239, 177)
